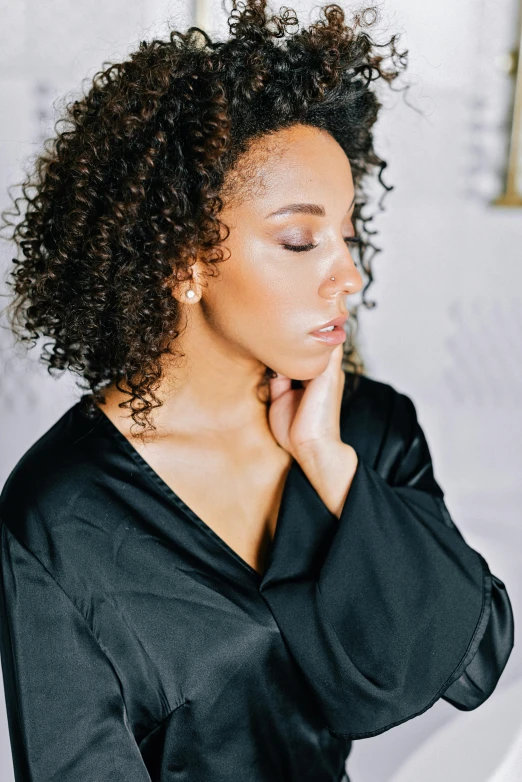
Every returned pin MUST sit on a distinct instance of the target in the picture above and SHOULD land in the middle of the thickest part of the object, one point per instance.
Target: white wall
(448, 326)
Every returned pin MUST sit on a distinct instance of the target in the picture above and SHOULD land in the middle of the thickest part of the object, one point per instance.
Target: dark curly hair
(123, 200)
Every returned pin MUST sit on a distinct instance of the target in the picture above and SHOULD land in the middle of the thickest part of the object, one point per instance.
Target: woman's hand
(305, 421)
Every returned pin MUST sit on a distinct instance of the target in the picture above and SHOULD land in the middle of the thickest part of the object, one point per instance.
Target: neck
(211, 392)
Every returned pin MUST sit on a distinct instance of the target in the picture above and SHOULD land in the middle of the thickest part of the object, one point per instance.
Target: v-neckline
(140, 460)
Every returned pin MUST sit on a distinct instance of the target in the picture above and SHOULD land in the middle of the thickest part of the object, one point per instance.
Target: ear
(190, 278)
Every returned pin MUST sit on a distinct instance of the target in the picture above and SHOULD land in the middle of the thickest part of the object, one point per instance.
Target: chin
(304, 370)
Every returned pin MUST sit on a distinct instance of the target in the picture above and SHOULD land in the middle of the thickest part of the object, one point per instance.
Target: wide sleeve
(493, 648)
(386, 609)
(66, 716)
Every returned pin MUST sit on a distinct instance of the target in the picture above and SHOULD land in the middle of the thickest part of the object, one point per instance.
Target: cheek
(264, 295)
(275, 299)
(257, 280)
(277, 276)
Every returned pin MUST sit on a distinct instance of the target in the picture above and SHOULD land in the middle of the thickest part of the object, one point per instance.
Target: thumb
(279, 385)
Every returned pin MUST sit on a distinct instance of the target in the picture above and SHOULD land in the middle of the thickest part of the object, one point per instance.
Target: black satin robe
(137, 646)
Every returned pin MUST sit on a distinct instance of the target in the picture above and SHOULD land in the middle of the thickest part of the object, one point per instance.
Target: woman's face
(267, 298)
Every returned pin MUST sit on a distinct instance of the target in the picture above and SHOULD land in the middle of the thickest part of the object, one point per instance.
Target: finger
(334, 370)
(279, 385)
(337, 353)
(336, 360)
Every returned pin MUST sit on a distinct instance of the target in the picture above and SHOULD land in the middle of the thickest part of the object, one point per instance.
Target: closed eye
(300, 248)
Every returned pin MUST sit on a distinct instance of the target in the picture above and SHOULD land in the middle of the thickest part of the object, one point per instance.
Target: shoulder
(40, 494)
(377, 407)
(380, 395)
(381, 423)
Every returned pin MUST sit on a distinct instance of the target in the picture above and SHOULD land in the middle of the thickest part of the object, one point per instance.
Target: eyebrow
(311, 209)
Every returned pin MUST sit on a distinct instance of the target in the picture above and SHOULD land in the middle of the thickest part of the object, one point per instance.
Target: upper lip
(335, 322)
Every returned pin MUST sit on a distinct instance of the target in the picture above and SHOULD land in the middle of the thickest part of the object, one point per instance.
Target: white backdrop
(448, 326)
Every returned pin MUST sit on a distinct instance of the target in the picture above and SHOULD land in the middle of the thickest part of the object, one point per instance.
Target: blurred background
(447, 328)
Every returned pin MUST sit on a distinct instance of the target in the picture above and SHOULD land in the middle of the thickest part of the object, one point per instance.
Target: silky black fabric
(137, 646)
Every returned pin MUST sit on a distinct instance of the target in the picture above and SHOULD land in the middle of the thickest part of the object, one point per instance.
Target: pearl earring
(190, 294)
(332, 278)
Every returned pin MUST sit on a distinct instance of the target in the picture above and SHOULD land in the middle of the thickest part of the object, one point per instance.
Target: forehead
(300, 163)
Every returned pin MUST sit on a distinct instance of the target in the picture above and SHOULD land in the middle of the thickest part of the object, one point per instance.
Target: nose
(347, 279)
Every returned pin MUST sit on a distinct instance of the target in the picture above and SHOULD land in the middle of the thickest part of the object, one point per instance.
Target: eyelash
(299, 248)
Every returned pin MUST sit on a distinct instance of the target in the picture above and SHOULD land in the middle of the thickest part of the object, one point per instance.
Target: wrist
(330, 468)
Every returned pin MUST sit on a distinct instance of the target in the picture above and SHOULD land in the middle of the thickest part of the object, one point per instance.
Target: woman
(230, 558)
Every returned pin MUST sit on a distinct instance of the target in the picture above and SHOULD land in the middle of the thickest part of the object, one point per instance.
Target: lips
(339, 321)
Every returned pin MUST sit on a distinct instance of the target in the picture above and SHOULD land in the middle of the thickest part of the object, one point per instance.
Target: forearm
(330, 470)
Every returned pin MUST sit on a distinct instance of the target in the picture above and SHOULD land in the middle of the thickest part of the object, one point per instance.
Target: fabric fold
(489, 654)
(67, 718)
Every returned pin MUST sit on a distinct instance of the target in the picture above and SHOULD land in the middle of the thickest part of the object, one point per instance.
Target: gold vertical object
(511, 196)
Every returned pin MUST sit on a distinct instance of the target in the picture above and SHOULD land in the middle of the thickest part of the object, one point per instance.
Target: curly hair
(122, 201)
